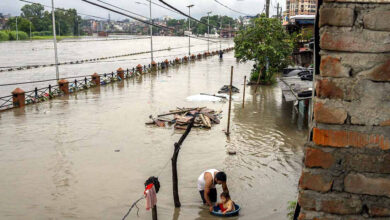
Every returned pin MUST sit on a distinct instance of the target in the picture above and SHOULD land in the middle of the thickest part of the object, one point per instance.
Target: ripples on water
(86, 156)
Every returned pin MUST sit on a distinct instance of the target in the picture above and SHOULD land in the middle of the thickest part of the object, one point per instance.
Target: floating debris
(181, 117)
(225, 89)
(206, 97)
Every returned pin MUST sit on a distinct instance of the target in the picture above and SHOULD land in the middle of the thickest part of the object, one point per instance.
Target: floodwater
(86, 156)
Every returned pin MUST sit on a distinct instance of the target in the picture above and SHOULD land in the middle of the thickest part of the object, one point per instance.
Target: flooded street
(87, 155)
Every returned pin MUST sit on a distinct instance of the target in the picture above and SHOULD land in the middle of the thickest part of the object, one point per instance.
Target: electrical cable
(61, 9)
(121, 9)
(163, 7)
(184, 14)
(126, 15)
(231, 8)
(132, 206)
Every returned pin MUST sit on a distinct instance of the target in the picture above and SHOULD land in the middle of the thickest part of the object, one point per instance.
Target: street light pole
(189, 29)
(17, 33)
(30, 30)
(208, 31)
(151, 31)
(55, 39)
(220, 35)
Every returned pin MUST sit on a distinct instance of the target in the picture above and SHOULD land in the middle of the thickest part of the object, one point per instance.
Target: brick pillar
(154, 65)
(18, 97)
(139, 68)
(64, 86)
(346, 172)
(120, 73)
(96, 79)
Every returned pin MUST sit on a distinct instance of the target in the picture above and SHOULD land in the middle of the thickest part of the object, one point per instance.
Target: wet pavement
(87, 156)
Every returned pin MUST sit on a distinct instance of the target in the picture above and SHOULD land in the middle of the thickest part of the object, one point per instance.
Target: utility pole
(220, 34)
(17, 34)
(189, 29)
(30, 29)
(55, 39)
(267, 8)
(277, 11)
(208, 31)
(151, 31)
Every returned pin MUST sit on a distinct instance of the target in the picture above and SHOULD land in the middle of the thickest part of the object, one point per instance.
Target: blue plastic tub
(217, 211)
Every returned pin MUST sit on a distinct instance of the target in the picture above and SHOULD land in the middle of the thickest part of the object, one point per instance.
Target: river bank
(20, 35)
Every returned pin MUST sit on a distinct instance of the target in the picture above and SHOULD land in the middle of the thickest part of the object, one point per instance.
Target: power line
(121, 8)
(231, 8)
(184, 14)
(163, 7)
(126, 15)
(61, 9)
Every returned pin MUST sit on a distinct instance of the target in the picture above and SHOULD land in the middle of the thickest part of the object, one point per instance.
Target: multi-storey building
(300, 7)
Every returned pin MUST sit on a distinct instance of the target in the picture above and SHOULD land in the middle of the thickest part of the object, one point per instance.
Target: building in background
(300, 7)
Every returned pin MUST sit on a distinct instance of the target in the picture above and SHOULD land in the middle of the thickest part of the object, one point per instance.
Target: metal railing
(78, 83)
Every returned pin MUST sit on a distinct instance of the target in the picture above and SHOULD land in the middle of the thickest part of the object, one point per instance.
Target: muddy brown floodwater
(87, 156)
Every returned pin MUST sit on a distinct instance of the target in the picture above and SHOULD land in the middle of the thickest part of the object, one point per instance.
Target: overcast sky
(200, 9)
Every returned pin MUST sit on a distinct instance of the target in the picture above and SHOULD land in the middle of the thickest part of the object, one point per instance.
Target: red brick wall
(346, 172)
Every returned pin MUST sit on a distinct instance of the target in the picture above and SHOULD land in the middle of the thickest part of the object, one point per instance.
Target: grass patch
(51, 37)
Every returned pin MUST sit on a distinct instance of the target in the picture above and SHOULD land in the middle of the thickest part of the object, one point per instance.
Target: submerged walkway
(86, 156)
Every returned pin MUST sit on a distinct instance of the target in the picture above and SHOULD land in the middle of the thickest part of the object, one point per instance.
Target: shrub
(22, 35)
(4, 36)
(42, 33)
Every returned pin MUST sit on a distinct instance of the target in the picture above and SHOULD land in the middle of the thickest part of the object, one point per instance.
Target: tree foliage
(67, 21)
(266, 42)
(23, 24)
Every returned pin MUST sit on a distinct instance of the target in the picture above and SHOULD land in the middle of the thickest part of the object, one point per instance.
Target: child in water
(226, 205)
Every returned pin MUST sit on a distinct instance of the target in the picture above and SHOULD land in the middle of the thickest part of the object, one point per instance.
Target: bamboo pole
(154, 212)
(258, 81)
(177, 145)
(243, 93)
(230, 102)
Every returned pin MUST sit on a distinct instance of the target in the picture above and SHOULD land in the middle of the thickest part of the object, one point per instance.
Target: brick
(378, 211)
(317, 182)
(352, 40)
(377, 20)
(378, 73)
(361, 184)
(379, 163)
(329, 113)
(343, 138)
(342, 206)
(312, 215)
(337, 17)
(373, 105)
(332, 67)
(306, 201)
(333, 203)
(358, 61)
(328, 89)
(385, 123)
(318, 158)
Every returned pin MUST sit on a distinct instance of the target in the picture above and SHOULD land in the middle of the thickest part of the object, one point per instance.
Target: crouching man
(206, 186)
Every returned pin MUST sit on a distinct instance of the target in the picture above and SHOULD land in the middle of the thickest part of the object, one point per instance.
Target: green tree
(267, 42)
(23, 24)
(36, 14)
